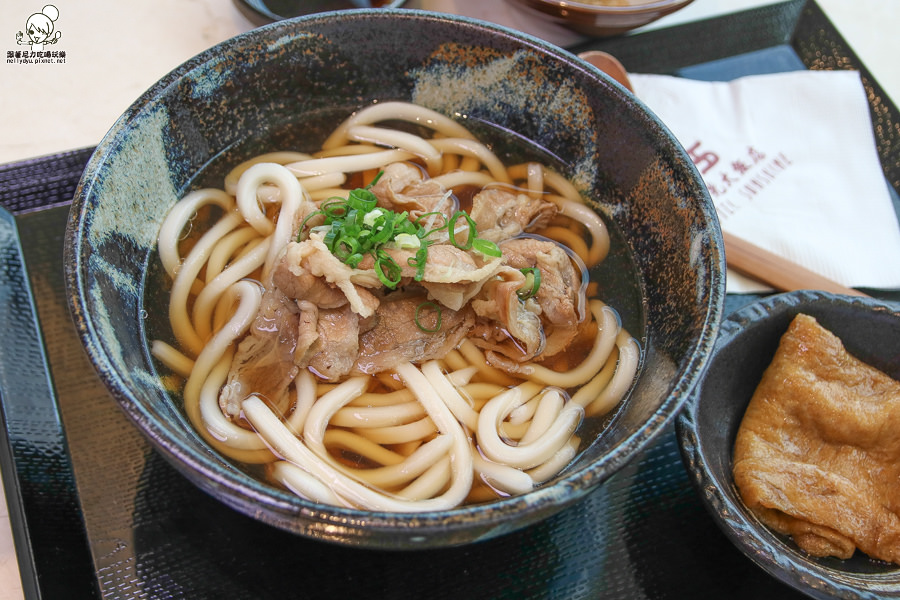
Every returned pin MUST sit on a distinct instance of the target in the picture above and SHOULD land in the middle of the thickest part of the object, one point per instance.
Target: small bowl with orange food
(791, 440)
(392, 278)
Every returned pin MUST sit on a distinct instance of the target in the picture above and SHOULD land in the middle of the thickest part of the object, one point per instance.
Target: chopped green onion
(472, 231)
(422, 232)
(362, 199)
(407, 241)
(532, 283)
(305, 221)
(486, 247)
(437, 309)
(387, 270)
(334, 208)
(374, 181)
(372, 216)
(420, 260)
(354, 259)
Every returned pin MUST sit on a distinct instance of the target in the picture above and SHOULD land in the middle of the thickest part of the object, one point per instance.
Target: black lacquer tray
(96, 513)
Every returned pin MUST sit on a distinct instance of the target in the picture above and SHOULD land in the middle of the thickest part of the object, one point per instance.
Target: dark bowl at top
(602, 18)
(263, 12)
(707, 427)
(277, 87)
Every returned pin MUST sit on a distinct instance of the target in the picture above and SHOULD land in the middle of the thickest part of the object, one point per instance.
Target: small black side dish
(707, 427)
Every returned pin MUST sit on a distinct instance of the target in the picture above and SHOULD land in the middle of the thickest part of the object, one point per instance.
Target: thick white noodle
(226, 248)
(253, 178)
(562, 185)
(524, 413)
(474, 149)
(378, 416)
(523, 456)
(305, 388)
(177, 219)
(399, 111)
(401, 141)
(587, 216)
(323, 412)
(341, 439)
(325, 407)
(626, 369)
(323, 182)
(348, 164)
(347, 150)
(237, 270)
(217, 424)
(400, 434)
(303, 484)
(557, 462)
(502, 477)
(270, 194)
(608, 329)
(549, 406)
(535, 179)
(172, 358)
(419, 462)
(350, 491)
(430, 483)
(458, 405)
(462, 376)
(328, 193)
(373, 399)
(461, 456)
(281, 157)
(184, 280)
(291, 196)
(459, 178)
(249, 296)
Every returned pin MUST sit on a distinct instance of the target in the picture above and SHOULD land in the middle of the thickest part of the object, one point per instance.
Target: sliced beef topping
(502, 214)
(403, 188)
(264, 361)
(396, 337)
(335, 351)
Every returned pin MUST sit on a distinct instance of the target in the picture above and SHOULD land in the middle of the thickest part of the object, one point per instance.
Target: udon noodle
(448, 365)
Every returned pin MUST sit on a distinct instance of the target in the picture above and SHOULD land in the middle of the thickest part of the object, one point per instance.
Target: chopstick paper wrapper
(791, 164)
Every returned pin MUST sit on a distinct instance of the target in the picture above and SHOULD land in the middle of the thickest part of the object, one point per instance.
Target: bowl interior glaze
(707, 428)
(283, 86)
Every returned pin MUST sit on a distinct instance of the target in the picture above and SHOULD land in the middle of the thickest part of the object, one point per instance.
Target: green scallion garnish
(532, 283)
(437, 309)
(486, 247)
(472, 232)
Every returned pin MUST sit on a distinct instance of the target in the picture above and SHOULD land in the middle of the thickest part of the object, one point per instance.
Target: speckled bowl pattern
(602, 19)
(284, 86)
(707, 427)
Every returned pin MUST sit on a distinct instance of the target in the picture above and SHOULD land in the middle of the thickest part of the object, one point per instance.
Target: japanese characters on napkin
(791, 165)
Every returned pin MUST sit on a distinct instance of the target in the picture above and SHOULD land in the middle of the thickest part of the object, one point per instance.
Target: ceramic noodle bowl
(286, 86)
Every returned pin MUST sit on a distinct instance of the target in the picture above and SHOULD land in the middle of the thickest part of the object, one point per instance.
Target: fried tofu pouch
(817, 455)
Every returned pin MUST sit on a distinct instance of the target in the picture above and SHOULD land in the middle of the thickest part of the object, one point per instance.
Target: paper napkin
(791, 164)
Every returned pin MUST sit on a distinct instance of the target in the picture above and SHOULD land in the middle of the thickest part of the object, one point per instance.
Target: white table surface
(115, 50)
